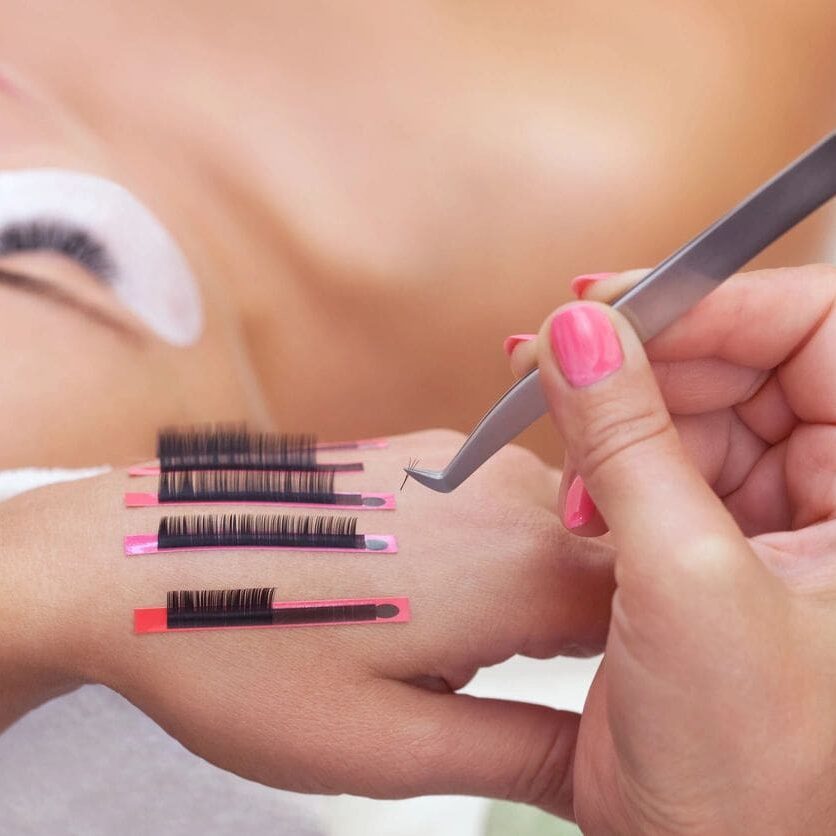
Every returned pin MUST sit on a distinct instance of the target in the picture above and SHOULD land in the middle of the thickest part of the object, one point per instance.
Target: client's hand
(361, 709)
(712, 711)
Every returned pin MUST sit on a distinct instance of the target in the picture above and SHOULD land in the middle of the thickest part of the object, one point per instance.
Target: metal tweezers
(665, 294)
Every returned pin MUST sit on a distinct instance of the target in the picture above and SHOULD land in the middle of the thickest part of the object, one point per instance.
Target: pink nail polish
(580, 283)
(579, 508)
(513, 341)
(585, 344)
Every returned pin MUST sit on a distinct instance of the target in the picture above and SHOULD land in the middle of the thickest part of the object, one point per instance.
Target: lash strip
(265, 530)
(315, 487)
(231, 444)
(189, 609)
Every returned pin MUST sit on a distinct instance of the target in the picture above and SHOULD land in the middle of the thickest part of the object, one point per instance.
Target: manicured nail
(579, 508)
(585, 344)
(513, 341)
(580, 283)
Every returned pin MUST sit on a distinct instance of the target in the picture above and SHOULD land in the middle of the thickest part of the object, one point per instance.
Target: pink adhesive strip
(385, 502)
(362, 444)
(141, 544)
(155, 619)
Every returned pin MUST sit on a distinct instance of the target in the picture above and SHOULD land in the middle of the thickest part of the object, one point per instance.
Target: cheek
(75, 393)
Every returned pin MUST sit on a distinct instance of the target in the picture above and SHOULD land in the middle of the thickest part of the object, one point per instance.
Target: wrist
(36, 658)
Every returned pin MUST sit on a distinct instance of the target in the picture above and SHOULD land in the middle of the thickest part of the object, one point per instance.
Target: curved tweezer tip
(434, 479)
(520, 406)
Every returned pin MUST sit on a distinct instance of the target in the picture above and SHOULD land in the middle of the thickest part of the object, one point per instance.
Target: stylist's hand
(713, 710)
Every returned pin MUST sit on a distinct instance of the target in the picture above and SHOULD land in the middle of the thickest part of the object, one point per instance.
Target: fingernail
(513, 341)
(580, 283)
(585, 344)
(579, 508)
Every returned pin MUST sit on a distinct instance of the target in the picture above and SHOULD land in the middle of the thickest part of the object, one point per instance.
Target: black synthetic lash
(265, 530)
(252, 486)
(51, 235)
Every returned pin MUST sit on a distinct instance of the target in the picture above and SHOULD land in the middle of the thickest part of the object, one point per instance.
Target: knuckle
(546, 781)
(706, 557)
(616, 429)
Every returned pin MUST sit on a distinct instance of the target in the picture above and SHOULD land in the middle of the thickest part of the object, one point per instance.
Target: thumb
(607, 405)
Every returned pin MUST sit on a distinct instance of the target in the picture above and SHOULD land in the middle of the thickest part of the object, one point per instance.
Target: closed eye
(52, 293)
(113, 238)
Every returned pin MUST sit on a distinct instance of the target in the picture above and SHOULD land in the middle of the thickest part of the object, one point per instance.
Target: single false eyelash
(289, 487)
(262, 531)
(410, 464)
(59, 237)
(256, 607)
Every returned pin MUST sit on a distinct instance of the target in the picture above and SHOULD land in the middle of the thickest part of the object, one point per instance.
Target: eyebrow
(46, 290)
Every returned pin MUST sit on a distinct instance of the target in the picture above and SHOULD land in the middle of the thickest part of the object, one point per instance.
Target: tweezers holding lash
(665, 294)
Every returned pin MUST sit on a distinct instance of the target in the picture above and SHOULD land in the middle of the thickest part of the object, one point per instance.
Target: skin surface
(358, 215)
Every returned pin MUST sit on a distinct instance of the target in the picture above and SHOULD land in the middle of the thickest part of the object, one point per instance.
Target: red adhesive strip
(154, 619)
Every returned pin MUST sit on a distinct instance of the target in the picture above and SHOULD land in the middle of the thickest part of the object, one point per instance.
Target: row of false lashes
(255, 486)
(258, 531)
(248, 486)
(233, 446)
(231, 530)
(257, 607)
(231, 607)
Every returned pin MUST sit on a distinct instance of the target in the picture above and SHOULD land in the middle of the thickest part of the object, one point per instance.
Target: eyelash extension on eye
(306, 488)
(232, 446)
(58, 237)
(262, 531)
(236, 608)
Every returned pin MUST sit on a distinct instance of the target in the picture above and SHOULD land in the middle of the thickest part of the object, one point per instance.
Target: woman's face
(377, 196)
(110, 326)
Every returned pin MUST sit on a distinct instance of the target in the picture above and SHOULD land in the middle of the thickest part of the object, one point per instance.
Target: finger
(522, 354)
(577, 510)
(811, 474)
(606, 287)
(420, 743)
(743, 470)
(601, 287)
(765, 319)
(608, 407)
